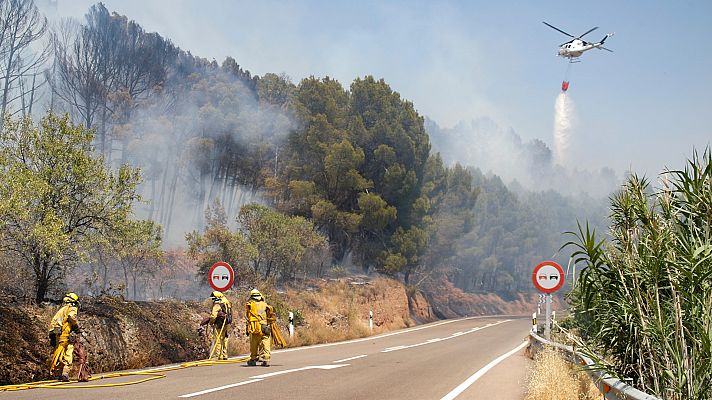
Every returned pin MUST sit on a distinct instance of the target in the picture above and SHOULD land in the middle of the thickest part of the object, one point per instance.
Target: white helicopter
(574, 48)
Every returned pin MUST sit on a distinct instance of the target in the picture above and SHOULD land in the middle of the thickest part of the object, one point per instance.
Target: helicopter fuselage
(576, 48)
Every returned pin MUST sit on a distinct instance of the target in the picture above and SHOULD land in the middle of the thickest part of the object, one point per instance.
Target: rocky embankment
(119, 335)
(125, 334)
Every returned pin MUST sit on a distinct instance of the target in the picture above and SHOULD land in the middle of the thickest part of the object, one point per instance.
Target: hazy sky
(644, 106)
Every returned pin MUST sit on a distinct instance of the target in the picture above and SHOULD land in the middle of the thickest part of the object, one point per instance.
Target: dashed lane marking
(435, 340)
(400, 332)
(258, 378)
(351, 358)
(286, 371)
(220, 388)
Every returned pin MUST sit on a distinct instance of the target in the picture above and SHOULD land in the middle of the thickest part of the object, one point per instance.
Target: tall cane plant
(644, 297)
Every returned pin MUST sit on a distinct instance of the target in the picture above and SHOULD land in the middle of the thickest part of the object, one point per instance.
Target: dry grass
(237, 346)
(553, 378)
(338, 310)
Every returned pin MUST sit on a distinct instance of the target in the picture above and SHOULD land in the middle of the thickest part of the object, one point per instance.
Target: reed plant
(644, 297)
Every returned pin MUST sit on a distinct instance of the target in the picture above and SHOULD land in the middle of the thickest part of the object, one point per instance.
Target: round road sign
(548, 277)
(221, 276)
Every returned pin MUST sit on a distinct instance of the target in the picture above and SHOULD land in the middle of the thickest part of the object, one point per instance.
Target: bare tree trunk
(153, 199)
(6, 80)
(22, 25)
(105, 279)
(173, 189)
(126, 279)
(133, 277)
(162, 200)
(102, 136)
(32, 95)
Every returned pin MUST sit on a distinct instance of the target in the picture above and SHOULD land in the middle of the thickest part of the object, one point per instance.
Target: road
(471, 358)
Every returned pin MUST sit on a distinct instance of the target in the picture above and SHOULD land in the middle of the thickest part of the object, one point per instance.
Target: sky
(642, 108)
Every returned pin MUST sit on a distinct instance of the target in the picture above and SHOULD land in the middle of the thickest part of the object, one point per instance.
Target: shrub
(644, 298)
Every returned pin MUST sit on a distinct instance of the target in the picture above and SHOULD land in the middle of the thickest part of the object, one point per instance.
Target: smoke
(563, 121)
(530, 165)
(212, 139)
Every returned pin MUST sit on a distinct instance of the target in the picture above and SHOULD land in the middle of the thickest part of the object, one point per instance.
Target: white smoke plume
(563, 122)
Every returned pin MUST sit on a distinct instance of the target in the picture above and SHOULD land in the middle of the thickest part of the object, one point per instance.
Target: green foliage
(507, 233)
(137, 248)
(281, 241)
(57, 199)
(268, 244)
(360, 167)
(644, 298)
(219, 243)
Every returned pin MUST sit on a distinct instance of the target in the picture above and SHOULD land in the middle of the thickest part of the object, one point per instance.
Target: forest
(128, 164)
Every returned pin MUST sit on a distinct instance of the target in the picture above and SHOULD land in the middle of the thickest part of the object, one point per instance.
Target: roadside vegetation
(644, 298)
(552, 377)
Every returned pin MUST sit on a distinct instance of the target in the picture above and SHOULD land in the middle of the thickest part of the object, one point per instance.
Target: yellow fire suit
(260, 338)
(62, 325)
(218, 320)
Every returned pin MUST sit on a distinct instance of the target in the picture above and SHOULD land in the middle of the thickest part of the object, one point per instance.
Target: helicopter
(574, 48)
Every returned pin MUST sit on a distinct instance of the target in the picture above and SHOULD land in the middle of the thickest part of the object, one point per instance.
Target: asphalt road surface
(471, 358)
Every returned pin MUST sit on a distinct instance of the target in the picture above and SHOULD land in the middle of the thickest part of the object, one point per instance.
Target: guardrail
(611, 387)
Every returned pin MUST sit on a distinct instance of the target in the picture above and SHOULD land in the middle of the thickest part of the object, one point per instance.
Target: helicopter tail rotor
(606, 37)
(600, 44)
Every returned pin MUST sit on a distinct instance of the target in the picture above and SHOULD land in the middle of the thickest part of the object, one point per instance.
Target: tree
(138, 250)
(57, 198)
(281, 241)
(21, 27)
(82, 73)
(219, 243)
(268, 244)
(106, 67)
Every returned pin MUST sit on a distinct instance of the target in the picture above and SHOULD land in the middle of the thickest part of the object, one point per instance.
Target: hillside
(127, 334)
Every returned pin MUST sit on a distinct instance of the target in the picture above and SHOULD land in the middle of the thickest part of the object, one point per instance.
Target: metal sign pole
(547, 327)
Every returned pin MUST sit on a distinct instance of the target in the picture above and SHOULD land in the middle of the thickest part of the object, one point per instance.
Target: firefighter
(220, 319)
(259, 328)
(63, 332)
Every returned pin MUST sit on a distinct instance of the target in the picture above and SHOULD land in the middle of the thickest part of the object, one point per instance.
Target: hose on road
(149, 375)
(146, 376)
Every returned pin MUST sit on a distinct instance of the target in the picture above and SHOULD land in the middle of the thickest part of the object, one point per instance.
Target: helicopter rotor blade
(603, 48)
(588, 31)
(555, 28)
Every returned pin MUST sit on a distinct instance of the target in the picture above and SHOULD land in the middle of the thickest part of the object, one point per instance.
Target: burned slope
(119, 335)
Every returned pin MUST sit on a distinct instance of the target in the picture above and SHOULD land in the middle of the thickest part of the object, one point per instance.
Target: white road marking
(316, 346)
(351, 358)
(261, 377)
(477, 375)
(286, 371)
(219, 388)
(435, 340)
(349, 341)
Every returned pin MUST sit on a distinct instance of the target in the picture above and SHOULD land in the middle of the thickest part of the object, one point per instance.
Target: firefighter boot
(252, 363)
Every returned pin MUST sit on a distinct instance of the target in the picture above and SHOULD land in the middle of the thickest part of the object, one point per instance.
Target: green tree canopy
(57, 198)
(267, 244)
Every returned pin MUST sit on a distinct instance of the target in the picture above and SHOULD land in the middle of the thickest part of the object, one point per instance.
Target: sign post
(221, 276)
(548, 277)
